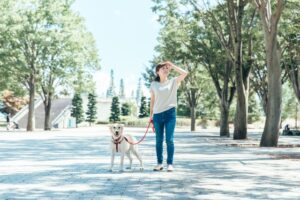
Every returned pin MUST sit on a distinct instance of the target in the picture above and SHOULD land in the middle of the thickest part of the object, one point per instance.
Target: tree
(77, 109)
(91, 113)
(289, 103)
(172, 46)
(192, 44)
(254, 110)
(294, 77)
(67, 40)
(126, 110)
(290, 42)
(48, 46)
(11, 103)
(148, 105)
(115, 110)
(8, 80)
(143, 108)
(234, 52)
(270, 18)
(208, 50)
(21, 48)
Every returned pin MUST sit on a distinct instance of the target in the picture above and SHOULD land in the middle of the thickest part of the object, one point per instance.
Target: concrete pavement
(73, 164)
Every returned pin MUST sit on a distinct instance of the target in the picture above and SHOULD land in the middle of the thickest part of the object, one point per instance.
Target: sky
(125, 32)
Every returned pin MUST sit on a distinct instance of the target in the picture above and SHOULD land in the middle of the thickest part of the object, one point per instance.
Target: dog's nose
(117, 132)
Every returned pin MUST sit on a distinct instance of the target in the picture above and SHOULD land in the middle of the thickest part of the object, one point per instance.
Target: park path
(73, 164)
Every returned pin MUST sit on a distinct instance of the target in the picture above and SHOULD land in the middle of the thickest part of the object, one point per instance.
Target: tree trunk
(270, 25)
(241, 115)
(193, 118)
(272, 124)
(265, 103)
(225, 95)
(31, 109)
(47, 104)
(224, 125)
(294, 76)
(236, 15)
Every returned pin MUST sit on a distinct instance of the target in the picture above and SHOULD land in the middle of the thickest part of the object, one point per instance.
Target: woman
(162, 110)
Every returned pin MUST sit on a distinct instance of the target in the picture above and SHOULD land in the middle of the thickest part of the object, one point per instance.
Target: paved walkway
(73, 164)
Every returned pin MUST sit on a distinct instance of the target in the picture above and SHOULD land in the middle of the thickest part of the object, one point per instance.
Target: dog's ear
(122, 127)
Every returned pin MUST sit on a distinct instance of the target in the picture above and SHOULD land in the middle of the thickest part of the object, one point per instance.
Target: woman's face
(164, 71)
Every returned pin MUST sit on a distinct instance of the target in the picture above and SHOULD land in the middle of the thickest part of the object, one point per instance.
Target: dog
(119, 144)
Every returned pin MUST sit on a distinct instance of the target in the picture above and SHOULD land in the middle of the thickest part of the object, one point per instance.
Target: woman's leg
(159, 133)
(170, 127)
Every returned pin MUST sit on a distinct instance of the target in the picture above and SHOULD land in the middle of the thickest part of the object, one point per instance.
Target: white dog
(119, 143)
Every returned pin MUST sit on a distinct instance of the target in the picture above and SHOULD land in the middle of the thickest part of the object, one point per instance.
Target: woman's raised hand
(169, 64)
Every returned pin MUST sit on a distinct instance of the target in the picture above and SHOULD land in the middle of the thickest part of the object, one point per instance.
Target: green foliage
(125, 109)
(49, 41)
(115, 110)
(130, 121)
(91, 113)
(289, 102)
(289, 35)
(144, 112)
(45, 48)
(149, 75)
(77, 108)
(208, 107)
(174, 44)
(182, 109)
(209, 104)
(254, 111)
(134, 121)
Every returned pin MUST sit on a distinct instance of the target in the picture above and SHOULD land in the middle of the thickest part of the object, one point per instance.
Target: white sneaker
(170, 168)
(159, 167)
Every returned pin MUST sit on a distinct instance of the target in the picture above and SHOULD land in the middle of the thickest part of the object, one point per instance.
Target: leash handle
(151, 122)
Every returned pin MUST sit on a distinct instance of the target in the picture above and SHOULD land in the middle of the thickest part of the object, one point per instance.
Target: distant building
(104, 106)
(60, 116)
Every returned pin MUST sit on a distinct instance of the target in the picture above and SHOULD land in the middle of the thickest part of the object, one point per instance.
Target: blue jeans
(165, 120)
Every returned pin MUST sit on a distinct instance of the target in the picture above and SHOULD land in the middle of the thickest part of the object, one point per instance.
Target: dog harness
(118, 141)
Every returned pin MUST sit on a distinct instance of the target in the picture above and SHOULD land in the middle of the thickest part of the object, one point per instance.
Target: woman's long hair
(157, 78)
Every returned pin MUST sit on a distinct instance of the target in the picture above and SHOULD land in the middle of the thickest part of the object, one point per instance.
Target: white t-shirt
(165, 95)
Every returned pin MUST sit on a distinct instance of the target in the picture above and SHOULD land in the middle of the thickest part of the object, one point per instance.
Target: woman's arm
(181, 71)
(151, 104)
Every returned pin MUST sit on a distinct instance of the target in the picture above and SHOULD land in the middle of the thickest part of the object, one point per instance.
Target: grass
(132, 121)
